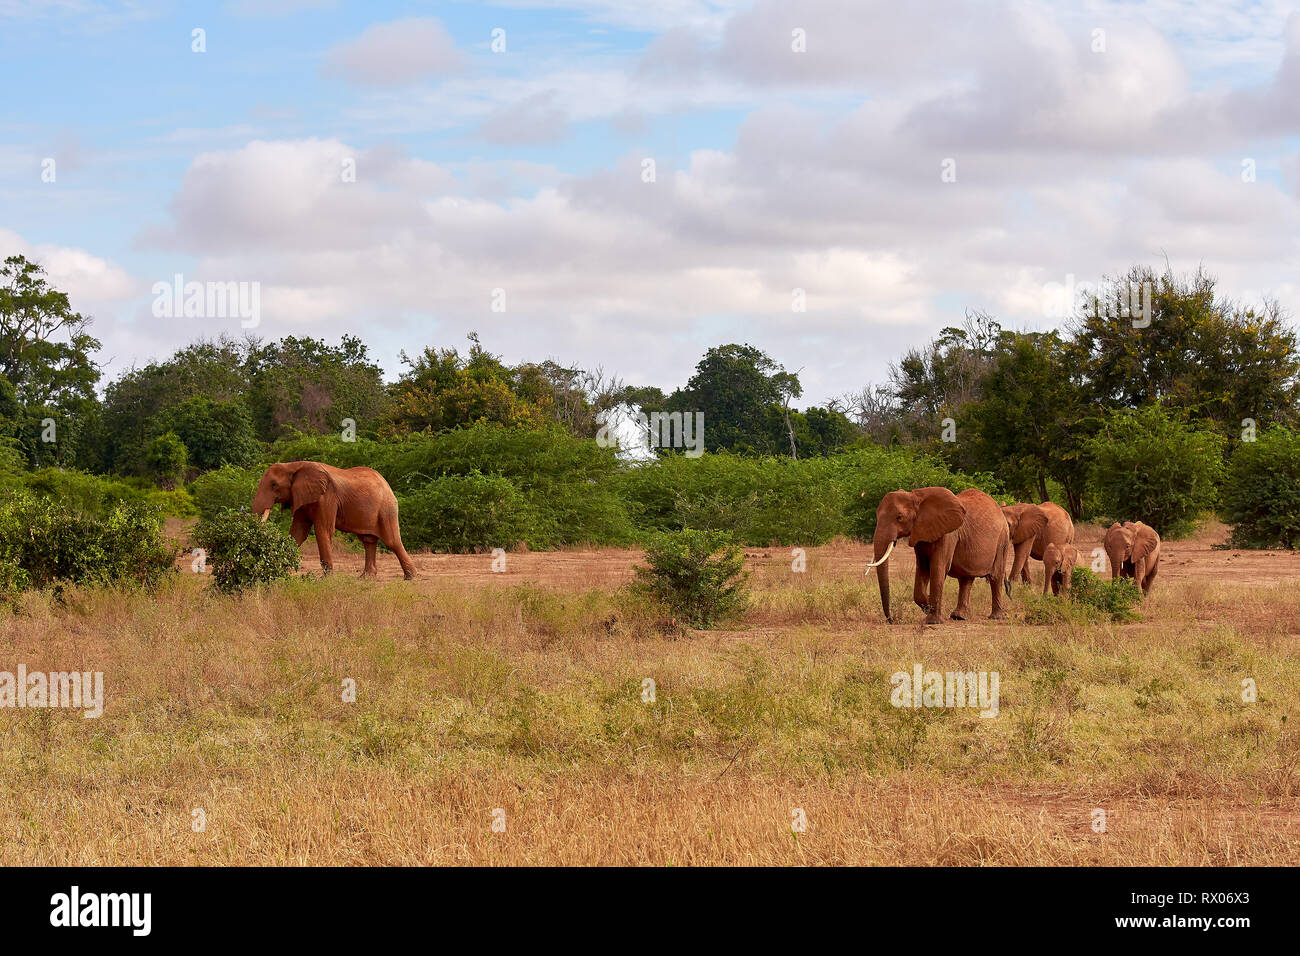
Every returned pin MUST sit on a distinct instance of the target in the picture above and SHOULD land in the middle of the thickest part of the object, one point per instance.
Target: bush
(46, 543)
(684, 575)
(226, 489)
(777, 501)
(1261, 494)
(244, 552)
(464, 514)
(97, 495)
(165, 460)
(1114, 599)
(215, 433)
(1148, 465)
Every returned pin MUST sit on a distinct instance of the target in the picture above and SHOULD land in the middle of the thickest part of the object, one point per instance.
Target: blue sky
(776, 169)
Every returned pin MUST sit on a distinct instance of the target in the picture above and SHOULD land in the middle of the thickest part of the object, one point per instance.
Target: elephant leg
(371, 542)
(325, 544)
(300, 528)
(921, 584)
(962, 610)
(392, 539)
(1020, 554)
(938, 571)
(1149, 580)
(999, 611)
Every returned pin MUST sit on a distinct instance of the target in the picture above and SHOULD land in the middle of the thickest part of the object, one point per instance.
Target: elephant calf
(1134, 552)
(1058, 566)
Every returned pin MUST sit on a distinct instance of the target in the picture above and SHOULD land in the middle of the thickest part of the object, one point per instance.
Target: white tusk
(266, 514)
(884, 557)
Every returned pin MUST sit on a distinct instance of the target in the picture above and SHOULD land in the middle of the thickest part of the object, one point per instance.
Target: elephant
(963, 536)
(326, 499)
(1030, 538)
(1058, 567)
(1134, 552)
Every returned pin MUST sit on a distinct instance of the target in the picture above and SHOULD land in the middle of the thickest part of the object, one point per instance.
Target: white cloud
(396, 54)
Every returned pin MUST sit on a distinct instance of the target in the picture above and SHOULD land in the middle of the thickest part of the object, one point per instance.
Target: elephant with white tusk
(324, 499)
(963, 536)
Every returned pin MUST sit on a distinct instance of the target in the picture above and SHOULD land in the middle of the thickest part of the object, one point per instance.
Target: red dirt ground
(1199, 557)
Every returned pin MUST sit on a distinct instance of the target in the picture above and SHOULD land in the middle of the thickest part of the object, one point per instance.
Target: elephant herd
(964, 536)
(969, 535)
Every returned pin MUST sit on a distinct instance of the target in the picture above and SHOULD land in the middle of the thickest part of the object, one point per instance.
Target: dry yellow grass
(473, 698)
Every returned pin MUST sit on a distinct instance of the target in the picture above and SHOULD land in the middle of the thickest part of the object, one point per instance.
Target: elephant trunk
(883, 545)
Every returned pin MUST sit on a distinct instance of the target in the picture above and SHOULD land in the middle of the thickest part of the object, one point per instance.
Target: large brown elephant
(1033, 528)
(963, 536)
(1134, 552)
(328, 499)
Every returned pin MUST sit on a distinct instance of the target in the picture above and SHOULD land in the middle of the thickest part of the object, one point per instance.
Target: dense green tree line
(1134, 407)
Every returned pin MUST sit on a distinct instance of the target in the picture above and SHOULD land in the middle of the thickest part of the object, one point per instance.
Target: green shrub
(778, 501)
(225, 489)
(1148, 465)
(698, 574)
(245, 552)
(98, 495)
(215, 433)
(165, 460)
(1261, 493)
(464, 514)
(46, 543)
(1114, 599)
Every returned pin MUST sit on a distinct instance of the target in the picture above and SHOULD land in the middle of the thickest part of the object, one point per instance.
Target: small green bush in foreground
(244, 552)
(685, 575)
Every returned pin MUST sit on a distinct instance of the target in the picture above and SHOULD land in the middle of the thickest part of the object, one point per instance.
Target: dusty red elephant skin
(324, 499)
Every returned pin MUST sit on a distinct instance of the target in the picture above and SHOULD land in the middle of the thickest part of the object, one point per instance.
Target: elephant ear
(938, 512)
(1033, 519)
(1145, 541)
(309, 482)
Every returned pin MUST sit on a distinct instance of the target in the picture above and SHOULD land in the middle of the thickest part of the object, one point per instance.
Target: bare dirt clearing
(1200, 557)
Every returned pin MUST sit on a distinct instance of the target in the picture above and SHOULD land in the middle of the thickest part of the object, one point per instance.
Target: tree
(217, 370)
(932, 383)
(443, 390)
(307, 385)
(215, 433)
(1152, 465)
(745, 399)
(1218, 362)
(166, 459)
(45, 355)
(1031, 419)
(1261, 491)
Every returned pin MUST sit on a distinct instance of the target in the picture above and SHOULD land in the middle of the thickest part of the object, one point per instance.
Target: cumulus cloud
(535, 119)
(396, 54)
(89, 280)
(1069, 161)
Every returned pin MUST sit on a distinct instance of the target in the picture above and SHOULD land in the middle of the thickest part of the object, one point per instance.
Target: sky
(624, 184)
